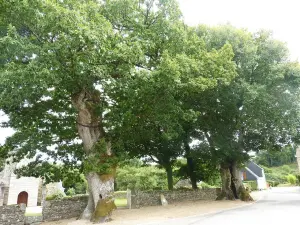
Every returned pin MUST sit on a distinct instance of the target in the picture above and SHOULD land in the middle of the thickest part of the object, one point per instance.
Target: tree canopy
(86, 82)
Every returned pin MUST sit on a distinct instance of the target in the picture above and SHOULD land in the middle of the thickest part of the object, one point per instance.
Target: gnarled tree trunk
(240, 191)
(226, 192)
(232, 185)
(90, 129)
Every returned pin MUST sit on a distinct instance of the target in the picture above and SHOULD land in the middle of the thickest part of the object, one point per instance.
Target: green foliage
(286, 168)
(204, 167)
(292, 179)
(56, 196)
(251, 112)
(71, 192)
(251, 185)
(75, 183)
(276, 158)
(273, 183)
(204, 185)
(278, 175)
(141, 178)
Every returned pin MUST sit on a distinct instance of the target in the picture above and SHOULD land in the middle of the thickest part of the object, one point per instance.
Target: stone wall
(12, 215)
(6, 192)
(152, 198)
(73, 207)
(64, 208)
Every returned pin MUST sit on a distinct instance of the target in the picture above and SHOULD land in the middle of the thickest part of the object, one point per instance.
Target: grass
(279, 174)
(33, 214)
(285, 185)
(121, 202)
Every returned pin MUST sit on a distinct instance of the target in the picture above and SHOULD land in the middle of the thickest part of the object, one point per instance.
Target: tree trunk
(169, 176)
(226, 192)
(240, 191)
(91, 132)
(190, 166)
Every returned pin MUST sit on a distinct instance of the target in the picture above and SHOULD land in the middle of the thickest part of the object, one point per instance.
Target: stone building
(28, 190)
(15, 190)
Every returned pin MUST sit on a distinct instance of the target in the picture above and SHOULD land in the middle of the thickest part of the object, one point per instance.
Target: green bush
(141, 178)
(292, 179)
(56, 196)
(206, 185)
(286, 168)
(298, 179)
(250, 184)
(71, 192)
(266, 169)
(273, 183)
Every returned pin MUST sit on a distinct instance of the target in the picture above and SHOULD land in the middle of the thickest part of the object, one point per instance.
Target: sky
(280, 16)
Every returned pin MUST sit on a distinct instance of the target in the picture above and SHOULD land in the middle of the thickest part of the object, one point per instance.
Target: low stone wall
(64, 208)
(73, 207)
(152, 198)
(12, 215)
(33, 220)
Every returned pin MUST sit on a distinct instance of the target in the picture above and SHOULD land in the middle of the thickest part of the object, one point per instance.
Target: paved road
(277, 206)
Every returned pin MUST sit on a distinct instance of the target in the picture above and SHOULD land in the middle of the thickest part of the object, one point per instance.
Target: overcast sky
(280, 16)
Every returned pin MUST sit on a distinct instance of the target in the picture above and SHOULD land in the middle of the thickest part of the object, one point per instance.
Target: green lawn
(33, 214)
(121, 202)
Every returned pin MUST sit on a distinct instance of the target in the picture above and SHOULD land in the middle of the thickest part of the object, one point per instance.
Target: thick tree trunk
(169, 176)
(237, 184)
(190, 166)
(101, 186)
(226, 192)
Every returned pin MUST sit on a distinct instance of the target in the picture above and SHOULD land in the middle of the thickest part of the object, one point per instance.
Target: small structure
(253, 172)
(27, 190)
(15, 190)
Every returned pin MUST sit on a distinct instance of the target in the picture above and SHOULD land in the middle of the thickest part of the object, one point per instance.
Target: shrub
(205, 185)
(251, 184)
(286, 168)
(141, 178)
(71, 192)
(56, 196)
(292, 179)
(273, 183)
(266, 169)
(298, 179)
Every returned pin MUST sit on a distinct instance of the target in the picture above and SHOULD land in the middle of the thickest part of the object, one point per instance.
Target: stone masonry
(64, 208)
(152, 198)
(12, 215)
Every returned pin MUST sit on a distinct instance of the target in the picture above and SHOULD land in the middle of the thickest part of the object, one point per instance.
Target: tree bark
(190, 165)
(91, 131)
(169, 176)
(226, 192)
(240, 191)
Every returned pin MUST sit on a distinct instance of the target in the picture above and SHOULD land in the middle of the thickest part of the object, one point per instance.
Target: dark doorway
(23, 198)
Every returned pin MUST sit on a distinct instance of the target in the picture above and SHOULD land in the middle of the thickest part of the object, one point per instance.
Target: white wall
(261, 181)
(28, 184)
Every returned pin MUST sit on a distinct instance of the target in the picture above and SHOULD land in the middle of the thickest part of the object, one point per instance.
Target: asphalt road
(277, 206)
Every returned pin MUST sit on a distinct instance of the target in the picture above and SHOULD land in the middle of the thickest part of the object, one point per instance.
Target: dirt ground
(155, 213)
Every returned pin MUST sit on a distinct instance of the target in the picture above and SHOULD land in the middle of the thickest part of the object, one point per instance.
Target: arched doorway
(23, 198)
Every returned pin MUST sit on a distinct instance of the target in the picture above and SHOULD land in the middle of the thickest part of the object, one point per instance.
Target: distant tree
(280, 157)
(141, 178)
(259, 110)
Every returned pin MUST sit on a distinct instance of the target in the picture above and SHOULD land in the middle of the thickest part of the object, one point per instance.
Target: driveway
(277, 206)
